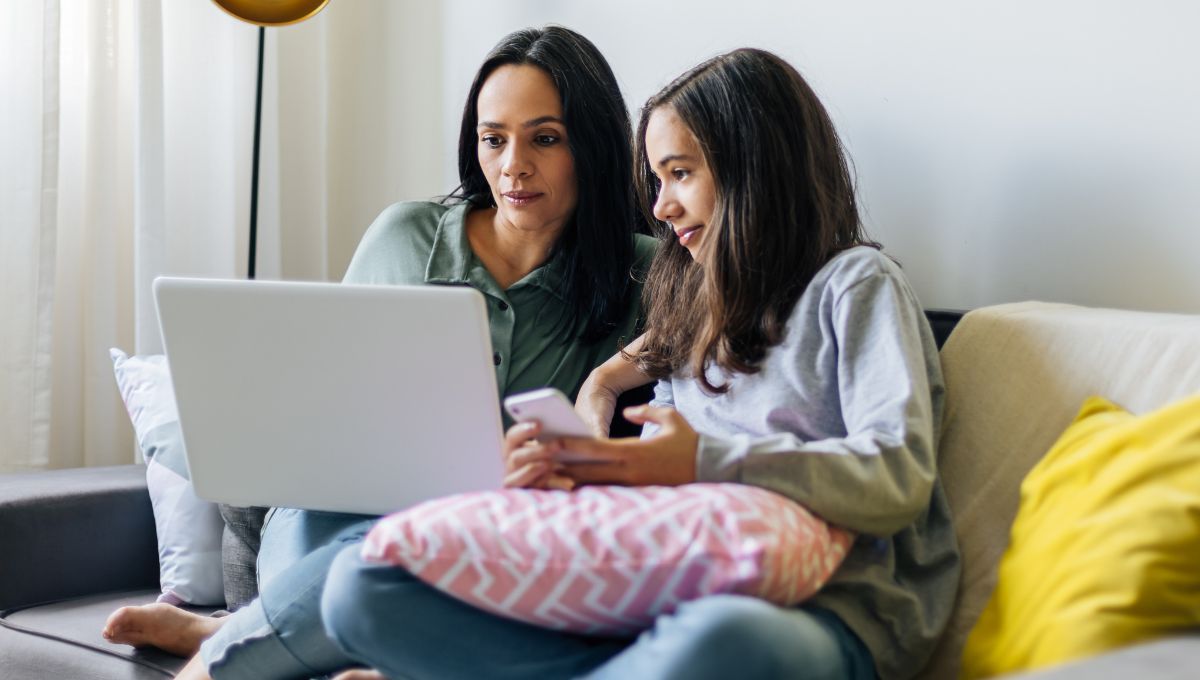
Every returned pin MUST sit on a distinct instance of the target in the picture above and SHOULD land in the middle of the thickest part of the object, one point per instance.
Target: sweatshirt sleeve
(663, 396)
(878, 478)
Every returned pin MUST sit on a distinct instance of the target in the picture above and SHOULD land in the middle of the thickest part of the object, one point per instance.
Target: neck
(507, 252)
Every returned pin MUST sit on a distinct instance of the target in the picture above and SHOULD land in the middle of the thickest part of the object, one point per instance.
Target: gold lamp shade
(272, 12)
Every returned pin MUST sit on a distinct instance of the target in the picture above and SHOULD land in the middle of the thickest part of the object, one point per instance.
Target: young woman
(544, 226)
(792, 355)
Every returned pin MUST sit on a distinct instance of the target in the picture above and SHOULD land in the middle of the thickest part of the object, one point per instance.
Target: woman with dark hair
(544, 225)
(791, 355)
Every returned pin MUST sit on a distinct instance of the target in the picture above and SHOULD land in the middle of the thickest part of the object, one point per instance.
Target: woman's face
(523, 148)
(687, 193)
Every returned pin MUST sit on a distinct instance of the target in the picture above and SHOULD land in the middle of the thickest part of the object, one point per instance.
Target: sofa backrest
(1016, 376)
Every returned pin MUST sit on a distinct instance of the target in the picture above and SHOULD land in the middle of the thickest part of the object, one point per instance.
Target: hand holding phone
(554, 411)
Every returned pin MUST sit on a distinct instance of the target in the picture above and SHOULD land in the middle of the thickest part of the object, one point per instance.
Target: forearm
(598, 395)
(894, 474)
(618, 374)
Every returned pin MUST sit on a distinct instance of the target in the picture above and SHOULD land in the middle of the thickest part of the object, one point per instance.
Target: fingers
(560, 482)
(518, 434)
(527, 475)
(531, 464)
(540, 475)
(533, 452)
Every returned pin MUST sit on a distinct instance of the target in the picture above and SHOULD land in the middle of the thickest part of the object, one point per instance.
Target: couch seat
(62, 641)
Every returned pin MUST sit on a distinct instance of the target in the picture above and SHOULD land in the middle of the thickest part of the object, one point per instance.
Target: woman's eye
(546, 140)
(490, 141)
(679, 174)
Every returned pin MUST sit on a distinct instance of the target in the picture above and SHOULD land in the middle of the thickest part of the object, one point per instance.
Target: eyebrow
(673, 157)
(528, 124)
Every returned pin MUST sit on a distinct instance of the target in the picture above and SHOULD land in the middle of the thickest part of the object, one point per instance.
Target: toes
(360, 674)
(115, 617)
(121, 624)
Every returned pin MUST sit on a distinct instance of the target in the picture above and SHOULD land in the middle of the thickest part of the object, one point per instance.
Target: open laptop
(338, 397)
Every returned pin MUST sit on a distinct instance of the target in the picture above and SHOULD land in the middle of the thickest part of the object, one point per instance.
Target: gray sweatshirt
(843, 417)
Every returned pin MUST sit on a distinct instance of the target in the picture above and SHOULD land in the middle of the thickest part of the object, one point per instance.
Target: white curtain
(29, 40)
(126, 129)
(115, 174)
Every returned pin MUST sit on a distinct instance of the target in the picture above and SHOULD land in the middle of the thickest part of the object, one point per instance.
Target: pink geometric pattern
(609, 559)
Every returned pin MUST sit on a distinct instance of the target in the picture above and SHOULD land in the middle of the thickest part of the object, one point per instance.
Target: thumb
(640, 415)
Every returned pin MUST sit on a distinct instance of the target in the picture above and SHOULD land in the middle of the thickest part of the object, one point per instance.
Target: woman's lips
(689, 234)
(520, 199)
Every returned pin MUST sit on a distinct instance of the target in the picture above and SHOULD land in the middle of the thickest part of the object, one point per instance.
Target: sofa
(76, 544)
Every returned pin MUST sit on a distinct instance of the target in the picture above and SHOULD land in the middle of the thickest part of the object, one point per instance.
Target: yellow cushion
(1105, 548)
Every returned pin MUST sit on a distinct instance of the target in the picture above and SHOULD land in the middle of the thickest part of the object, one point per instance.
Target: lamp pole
(264, 13)
(254, 166)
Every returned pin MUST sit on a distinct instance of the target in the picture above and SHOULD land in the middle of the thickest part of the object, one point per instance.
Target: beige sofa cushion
(1015, 377)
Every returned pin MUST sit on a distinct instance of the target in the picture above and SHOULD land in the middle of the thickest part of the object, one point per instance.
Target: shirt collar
(550, 277)
(451, 260)
(451, 256)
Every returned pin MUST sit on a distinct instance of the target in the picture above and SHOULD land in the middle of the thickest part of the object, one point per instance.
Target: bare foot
(360, 674)
(167, 627)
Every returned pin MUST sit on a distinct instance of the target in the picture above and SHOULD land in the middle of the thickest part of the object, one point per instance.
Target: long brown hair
(784, 207)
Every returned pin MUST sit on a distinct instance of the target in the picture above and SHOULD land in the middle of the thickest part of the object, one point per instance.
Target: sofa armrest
(69, 533)
(1169, 659)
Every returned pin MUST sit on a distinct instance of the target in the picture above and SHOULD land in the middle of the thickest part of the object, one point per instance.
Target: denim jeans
(279, 635)
(387, 619)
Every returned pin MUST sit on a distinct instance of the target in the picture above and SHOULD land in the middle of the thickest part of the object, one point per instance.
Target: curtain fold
(29, 36)
(43, 318)
(125, 193)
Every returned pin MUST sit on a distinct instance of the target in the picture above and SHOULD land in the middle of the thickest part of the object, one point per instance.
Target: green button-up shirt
(416, 243)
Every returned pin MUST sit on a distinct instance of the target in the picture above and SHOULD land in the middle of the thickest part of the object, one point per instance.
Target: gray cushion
(62, 640)
(239, 553)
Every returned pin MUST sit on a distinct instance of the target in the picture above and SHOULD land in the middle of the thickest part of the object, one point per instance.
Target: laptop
(338, 397)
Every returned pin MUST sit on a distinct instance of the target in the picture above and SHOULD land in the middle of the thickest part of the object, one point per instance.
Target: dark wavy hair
(785, 205)
(597, 243)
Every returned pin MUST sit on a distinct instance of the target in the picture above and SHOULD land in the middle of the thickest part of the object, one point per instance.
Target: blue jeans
(387, 619)
(279, 635)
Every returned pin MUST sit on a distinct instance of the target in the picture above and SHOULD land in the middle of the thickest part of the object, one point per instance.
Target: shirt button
(503, 306)
(496, 358)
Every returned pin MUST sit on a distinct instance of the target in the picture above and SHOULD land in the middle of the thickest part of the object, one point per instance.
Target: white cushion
(189, 529)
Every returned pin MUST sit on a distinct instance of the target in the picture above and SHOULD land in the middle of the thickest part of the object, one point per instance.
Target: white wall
(356, 93)
(1005, 150)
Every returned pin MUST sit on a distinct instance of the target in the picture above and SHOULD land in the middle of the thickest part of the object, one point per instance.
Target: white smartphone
(554, 411)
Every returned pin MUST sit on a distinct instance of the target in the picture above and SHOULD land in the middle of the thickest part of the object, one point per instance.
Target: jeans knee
(344, 602)
(725, 636)
(726, 617)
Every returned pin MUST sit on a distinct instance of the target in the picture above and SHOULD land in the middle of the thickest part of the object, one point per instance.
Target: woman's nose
(516, 162)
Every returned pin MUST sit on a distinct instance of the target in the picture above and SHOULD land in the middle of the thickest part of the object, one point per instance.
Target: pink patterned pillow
(609, 559)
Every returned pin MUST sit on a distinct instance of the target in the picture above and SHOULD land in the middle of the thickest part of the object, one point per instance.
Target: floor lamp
(263, 13)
